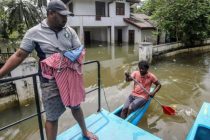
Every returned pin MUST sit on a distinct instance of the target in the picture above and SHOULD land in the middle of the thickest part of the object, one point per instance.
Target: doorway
(131, 36)
(119, 34)
(87, 38)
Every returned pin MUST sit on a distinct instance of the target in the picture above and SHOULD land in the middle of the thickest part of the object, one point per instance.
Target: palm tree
(22, 12)
(19, 15)
(3, 22)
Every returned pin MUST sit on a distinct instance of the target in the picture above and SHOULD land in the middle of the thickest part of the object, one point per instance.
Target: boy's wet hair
(143, 64)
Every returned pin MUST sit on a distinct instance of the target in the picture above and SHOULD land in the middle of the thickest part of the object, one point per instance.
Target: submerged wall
(167, 50)
(24, 87)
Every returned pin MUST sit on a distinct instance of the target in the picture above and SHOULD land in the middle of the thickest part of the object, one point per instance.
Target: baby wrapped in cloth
(66, 69)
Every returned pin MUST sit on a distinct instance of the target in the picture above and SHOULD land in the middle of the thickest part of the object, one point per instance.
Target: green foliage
(148, 7)
(186, 20)
(3, 21)
(16, 16)
(22, 12)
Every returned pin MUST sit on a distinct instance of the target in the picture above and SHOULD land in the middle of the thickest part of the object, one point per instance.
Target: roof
(141, 21)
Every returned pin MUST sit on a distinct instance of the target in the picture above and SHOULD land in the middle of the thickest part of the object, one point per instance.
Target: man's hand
(127, 74)
(13, 62)
(128, 77)
(151, 94)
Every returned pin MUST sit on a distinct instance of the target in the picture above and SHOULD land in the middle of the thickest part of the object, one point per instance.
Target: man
(49, 37)
(139, 96)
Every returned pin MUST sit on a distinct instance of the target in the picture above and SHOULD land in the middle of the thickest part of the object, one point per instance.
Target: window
(100, 9)
(120, 8)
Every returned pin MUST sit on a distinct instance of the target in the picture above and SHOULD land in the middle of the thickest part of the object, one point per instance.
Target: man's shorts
(52, 102)
(134, 102)
(53, 105)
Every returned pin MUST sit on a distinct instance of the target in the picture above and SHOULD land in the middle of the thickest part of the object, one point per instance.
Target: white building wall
(97, 34)
(138, 34)
(112, 10)
(24, 87)
(125, 34)
(148, 36)
(84, 7)
(85, 11)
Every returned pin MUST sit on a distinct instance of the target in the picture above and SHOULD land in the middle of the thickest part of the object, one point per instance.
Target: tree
(188, 20)
(148, 7)
(22, 13)
(3, 21)
(18, 16)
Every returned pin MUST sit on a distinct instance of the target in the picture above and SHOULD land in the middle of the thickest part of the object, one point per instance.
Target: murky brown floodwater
(185, 86)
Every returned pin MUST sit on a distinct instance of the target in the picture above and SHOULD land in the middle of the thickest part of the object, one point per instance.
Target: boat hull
(108, 126)
(201, 127)
(136, 116)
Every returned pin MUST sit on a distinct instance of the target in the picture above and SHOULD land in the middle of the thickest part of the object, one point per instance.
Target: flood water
(185, 86)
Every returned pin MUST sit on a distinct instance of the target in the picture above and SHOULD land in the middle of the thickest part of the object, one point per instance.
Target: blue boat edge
(107, 126)
(201, 127)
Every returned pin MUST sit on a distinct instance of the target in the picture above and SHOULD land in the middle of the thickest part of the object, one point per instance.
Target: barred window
(120, 8)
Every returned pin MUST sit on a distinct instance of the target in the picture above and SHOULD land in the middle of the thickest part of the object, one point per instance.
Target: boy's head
(143, 67)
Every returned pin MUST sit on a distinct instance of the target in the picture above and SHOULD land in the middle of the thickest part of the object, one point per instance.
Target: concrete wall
(170, 49)
(142, 35)
(85, 13)
(157, 49)
(24, 87)
(8, 102)
(166, 50)
(194, 50)
(84, 7)
(148, 36)
(138, 34)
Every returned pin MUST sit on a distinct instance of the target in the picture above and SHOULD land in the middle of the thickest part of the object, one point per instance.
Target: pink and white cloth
(68, 76)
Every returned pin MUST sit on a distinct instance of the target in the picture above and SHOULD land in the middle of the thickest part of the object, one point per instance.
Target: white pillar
(108, 34)
(145, 51)
(81, 34)
(112, 35)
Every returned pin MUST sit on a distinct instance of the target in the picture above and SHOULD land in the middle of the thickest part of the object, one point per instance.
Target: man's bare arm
(157, 87)
(13, 62)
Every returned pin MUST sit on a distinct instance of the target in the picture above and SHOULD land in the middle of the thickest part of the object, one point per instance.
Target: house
(105, 21)
(143, 27)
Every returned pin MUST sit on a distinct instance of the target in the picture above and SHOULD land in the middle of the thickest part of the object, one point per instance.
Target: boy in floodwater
(143, 80)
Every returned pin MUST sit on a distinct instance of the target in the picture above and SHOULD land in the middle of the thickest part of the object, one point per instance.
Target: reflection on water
(185, 86)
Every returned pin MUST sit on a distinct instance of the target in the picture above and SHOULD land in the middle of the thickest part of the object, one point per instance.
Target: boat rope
(105, 98)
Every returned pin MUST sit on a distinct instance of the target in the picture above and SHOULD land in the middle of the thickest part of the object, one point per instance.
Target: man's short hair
(143, 64)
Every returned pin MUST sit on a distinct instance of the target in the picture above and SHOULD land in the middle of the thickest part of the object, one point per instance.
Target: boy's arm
(157, 87)
(128, 77)
(13, 62)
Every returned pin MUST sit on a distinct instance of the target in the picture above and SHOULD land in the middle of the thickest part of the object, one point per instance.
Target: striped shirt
(68, 77)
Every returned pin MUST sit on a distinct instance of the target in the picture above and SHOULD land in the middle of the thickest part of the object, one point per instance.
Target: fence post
(145, 51)
(38, 108)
